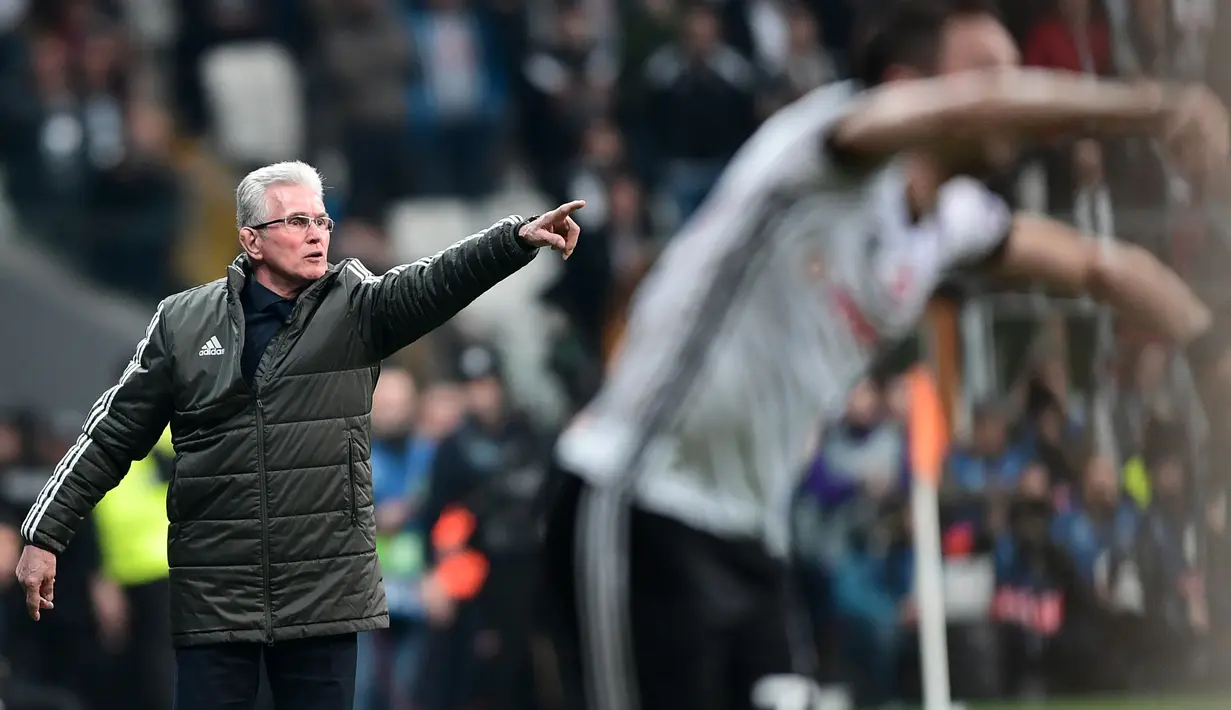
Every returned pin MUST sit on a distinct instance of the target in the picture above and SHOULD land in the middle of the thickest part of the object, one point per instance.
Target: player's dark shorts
(649, 614)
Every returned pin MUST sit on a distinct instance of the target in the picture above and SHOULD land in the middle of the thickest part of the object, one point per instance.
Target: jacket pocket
(351, 488)
(173, 509)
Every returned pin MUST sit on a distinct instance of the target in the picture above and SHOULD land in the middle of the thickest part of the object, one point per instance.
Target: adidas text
(212, 347)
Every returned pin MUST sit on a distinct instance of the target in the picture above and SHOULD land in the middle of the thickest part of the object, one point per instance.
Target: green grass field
(1111, 704)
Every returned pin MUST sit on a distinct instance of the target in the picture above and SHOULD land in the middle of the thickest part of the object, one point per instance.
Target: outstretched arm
(979, 232)
(957, 111)
(1125, 276)
(411, 300)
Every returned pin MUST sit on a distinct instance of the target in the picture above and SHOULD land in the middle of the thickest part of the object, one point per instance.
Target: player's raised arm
(964, 110)
(944, 79)
(1125, 276)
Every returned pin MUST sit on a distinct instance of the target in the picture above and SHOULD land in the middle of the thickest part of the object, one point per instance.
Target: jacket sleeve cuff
(44, 542)
(517, 247)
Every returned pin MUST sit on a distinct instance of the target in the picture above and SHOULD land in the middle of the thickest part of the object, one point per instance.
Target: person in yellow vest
(132, 530)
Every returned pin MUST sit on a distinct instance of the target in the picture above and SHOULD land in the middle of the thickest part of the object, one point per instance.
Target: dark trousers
(311, 674)
(708, 616)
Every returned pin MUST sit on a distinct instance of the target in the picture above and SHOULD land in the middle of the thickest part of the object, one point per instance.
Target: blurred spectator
(1100, 529)
(1145, 47)
(1146, 44)
(1218, 573)
(872, 587)
(570, 82)
(457, 101)
(864, 454)
(96, 180)
(632, 245)
(63, 650)
(136, 207)
(1174, 591)
(1074, 37)
(1219, 52)
(1144, 396)
(859, 472)
(492, 467)
(594, 286)
(1194, 24)
(208, 24)
(800, 63)
(407, 427)
(990, 464)
(586, 177)
(691, 81)
(1098, 536)
(17, 690)
(51, 154)
(366, 65)
(647, 26)
(363, 240)
(1034, 584)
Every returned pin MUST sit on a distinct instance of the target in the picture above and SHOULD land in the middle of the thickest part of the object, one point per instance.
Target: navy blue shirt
(264, 313)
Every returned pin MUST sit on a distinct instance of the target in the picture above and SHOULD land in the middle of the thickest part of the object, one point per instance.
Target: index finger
(568, 208)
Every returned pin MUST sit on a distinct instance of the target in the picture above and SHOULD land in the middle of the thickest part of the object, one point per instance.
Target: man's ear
(250, 241)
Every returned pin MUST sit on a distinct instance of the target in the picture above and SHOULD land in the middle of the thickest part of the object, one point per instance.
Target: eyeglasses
(298, 223)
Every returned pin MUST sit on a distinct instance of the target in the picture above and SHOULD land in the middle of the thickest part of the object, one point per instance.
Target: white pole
(929, 573)
(929, 595)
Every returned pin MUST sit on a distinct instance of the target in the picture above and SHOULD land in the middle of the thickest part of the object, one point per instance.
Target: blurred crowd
(1072, 566)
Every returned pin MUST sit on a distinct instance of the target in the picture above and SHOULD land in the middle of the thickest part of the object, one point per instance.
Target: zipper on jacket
(260, 464)
(350, 472)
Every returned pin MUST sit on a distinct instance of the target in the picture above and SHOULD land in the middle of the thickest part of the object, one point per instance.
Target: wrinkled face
(294, 251)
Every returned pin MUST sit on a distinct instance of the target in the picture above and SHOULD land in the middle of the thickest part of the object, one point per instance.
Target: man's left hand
(555, 229)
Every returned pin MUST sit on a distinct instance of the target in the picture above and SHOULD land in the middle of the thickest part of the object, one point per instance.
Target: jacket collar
(240, 270)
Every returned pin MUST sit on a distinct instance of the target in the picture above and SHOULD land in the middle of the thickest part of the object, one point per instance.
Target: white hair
(251, 207)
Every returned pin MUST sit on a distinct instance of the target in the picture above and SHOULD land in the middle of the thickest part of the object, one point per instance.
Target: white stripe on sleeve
(99, 410)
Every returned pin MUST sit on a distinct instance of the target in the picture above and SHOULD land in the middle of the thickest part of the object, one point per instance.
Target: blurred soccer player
(819, 248)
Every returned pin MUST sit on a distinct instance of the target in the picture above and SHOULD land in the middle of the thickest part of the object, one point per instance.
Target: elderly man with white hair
(266, 378)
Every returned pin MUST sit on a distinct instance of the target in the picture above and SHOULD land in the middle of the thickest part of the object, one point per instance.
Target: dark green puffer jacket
(272, 532)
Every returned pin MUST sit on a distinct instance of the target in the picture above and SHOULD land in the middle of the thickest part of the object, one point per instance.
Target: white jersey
(773, 301)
